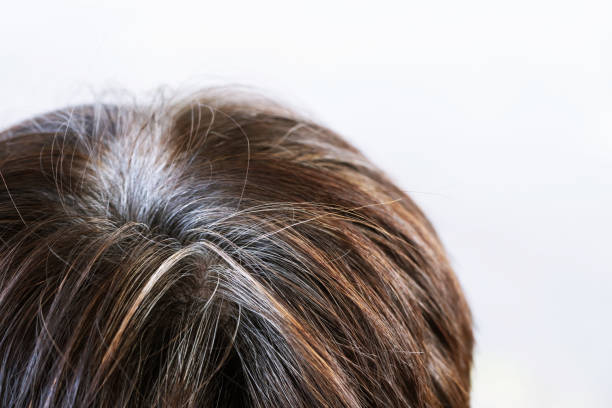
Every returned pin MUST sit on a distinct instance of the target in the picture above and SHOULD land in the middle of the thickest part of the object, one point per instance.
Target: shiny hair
(217, 251)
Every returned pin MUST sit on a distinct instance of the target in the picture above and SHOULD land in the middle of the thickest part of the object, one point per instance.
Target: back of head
(216, 252)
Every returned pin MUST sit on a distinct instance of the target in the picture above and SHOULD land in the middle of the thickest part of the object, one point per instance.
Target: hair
(217, 250)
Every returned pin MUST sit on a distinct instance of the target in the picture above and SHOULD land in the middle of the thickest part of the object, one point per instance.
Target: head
(217, 251)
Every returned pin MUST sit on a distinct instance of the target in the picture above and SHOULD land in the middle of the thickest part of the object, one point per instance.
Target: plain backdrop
(495, 116)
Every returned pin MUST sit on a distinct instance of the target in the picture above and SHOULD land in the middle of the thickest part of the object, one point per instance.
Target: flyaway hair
(217, 251)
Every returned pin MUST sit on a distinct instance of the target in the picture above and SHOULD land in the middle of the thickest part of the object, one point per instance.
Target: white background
(495, 116)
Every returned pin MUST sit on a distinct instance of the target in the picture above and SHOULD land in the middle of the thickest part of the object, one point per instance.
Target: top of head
(217, 252)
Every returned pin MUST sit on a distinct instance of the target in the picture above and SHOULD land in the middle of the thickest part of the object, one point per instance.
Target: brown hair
(217, 251)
